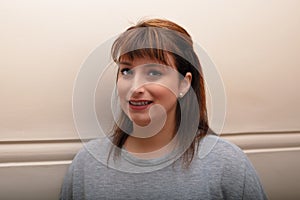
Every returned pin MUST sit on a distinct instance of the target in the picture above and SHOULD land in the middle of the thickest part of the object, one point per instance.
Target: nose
(137, 85)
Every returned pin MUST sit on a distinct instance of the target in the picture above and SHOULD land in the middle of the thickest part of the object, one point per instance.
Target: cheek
(164, 93)
(169, 88)
(122, 93)
(122, 88)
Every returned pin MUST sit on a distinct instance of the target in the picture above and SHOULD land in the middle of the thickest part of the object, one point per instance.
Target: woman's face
(145, 84)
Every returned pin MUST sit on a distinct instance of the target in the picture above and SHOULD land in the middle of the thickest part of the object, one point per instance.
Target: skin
(148, 92)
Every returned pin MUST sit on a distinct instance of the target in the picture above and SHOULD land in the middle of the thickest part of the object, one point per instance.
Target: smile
(139, 103)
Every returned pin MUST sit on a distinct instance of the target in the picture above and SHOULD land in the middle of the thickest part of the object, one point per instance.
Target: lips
(139, 104)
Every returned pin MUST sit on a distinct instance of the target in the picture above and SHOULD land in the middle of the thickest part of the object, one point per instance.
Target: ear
(185, 84)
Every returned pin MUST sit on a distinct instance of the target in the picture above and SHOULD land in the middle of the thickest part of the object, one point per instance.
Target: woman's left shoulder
(213, 145)
(239, 177)
(225, 156)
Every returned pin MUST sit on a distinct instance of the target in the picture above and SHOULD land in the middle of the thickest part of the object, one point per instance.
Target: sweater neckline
(129, 157)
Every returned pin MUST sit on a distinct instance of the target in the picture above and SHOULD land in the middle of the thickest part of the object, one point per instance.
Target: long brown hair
(155, 38)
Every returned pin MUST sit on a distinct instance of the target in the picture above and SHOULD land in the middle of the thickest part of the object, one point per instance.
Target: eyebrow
(159, 65)
(154, 65)
(124, 63)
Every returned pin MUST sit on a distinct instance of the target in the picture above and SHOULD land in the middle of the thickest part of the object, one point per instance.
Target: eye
(126, 71)
(154, 73)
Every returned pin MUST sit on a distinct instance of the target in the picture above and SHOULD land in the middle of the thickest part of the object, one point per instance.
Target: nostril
(139, 90)
(136, 92)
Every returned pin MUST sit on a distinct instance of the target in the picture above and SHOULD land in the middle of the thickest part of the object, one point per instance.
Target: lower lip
(144, 107)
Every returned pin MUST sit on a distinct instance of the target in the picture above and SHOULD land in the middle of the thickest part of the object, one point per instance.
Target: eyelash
(125, 70)
(155, 72)
(152, 73)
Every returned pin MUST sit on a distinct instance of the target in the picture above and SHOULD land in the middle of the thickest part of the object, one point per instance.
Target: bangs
(154, 54)
(154, 43)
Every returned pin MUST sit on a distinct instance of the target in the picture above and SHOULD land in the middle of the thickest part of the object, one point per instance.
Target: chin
(140, 121)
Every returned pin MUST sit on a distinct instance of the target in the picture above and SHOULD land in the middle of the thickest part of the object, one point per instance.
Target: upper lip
(138, 100)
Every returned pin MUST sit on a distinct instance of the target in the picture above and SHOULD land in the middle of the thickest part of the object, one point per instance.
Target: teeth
(139, 103)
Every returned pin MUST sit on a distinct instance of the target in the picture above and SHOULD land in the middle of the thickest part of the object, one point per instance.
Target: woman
(156, 149)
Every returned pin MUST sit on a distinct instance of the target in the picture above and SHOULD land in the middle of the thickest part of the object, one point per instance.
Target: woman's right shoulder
(94, 148)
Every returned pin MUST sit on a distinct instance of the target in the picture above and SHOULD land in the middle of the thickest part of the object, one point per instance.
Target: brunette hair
(155, 38)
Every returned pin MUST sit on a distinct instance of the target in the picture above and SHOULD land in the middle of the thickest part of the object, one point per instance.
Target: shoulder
(238, 176)
(225, 155)
(95, 149)
(215, 146)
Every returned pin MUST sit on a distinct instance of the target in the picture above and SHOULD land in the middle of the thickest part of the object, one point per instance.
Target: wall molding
(264, 140)
(64, 150)
(38, 150)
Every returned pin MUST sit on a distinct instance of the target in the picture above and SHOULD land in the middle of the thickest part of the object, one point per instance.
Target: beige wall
(254, 44)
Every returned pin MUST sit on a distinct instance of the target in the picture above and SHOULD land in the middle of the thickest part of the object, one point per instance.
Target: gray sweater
(220, 170)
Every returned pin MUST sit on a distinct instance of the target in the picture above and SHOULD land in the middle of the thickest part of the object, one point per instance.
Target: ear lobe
(185, 84)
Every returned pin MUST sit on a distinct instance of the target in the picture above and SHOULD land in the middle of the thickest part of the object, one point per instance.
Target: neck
(157, 143)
